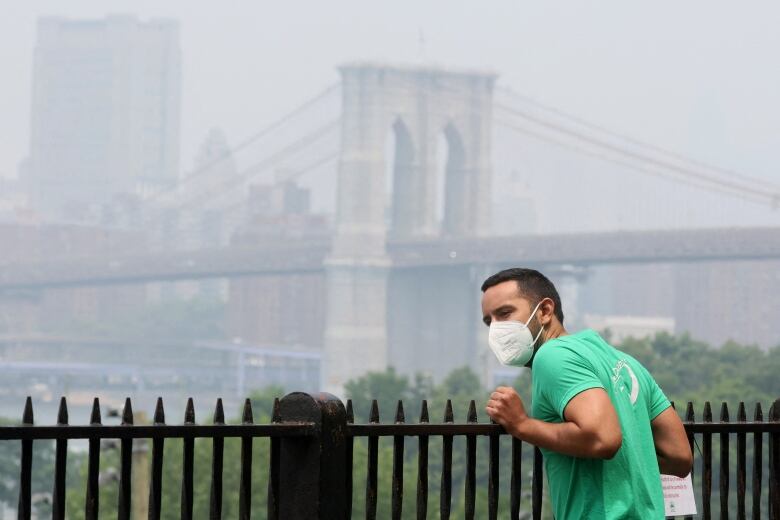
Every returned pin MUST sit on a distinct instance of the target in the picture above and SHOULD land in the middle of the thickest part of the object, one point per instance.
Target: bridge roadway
(578, 249)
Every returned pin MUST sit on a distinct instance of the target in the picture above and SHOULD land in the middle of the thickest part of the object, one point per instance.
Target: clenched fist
(507, 409)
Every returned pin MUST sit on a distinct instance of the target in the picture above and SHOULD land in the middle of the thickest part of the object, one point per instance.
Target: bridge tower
(390, 188)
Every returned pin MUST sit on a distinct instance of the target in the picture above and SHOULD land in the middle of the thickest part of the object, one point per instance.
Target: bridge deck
(574, 249)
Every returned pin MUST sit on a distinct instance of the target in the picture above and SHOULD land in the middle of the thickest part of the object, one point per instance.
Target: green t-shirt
(629, 484)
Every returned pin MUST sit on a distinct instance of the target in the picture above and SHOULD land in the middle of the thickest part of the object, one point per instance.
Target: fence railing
(311, 460)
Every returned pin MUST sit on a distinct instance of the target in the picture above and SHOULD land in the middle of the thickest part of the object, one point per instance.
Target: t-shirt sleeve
(562, 375)
(657, 401)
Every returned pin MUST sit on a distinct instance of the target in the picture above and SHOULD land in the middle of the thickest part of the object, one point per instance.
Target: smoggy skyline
(694, 78)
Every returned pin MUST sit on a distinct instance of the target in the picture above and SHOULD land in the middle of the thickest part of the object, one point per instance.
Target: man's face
(503, 302)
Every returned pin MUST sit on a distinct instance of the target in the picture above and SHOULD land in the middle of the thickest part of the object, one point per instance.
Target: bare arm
(671, 444)
(591, 428)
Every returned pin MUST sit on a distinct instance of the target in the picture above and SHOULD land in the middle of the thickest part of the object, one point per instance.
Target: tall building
(105, 112)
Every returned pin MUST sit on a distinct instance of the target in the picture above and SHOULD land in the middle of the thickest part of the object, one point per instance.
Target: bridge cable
(201, 170)
(636, 142)
(634, 166)
(639, 156)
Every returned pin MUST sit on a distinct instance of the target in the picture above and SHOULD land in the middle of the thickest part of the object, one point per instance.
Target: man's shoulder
(558, 350)
(576, 344)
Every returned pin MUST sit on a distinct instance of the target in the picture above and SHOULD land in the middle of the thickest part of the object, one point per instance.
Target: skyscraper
(105, 112)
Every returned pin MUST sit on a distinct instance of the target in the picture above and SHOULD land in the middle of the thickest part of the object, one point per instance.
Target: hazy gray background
(698, 77)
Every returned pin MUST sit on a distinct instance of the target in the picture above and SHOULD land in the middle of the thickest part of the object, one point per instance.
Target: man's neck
(555, 330)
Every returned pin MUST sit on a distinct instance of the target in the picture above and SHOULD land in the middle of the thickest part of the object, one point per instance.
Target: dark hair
(531, 284)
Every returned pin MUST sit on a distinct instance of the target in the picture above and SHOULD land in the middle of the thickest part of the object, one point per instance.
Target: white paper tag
(678, 495)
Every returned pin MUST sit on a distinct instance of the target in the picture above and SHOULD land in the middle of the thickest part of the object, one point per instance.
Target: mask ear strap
(533, 313)
(541, 329)
(539, 335)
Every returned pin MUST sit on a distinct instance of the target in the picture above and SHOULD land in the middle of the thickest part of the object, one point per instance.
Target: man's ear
(547, 309)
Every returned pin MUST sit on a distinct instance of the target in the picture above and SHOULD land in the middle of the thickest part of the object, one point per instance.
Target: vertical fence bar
(758, 463)
(741, 463)
(24, 510)
(92, 505)
(471, 465)
(690, 417)
(245, 483)
(188, 464)
(537, 485)
(516, 479)
(155, 485)
(706, 480)
(60, 462)
(774, 464)
(493, 475)
(396, 506)
(217, 459)
(373, 462)
(723, 481)
(422, 467)
(125, 466)
(445, 496)
(273, 471)
(349, 457)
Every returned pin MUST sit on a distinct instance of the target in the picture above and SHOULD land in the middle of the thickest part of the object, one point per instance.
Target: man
(605, 428)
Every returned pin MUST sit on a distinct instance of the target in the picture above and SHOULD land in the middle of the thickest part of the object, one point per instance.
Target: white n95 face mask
(512, 341)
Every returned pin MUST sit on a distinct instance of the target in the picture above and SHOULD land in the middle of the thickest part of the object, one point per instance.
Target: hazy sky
(698, 77)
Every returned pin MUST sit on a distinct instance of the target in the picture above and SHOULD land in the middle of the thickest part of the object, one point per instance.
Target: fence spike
(399, 412)
(159, 412)
(472, 415)
(245, 480)
(188, 465)
(706, 481)
(741, 463)
(219, 412)
(189, 412)
(758, 462)
(217, 454)
(723, 482)
(276, 415)
(247, 416)
(60, 463)
(448, 416)
(424, 412)
(373, 415)
(62, 411)
(373, 462)
(350, 412)
(124, 498)
(27, 415)
(774, 462)
(94, 417)
(127, 412)
(470, 484)
(92, 503)
(445, 488)
(690, 415)
(397, 487)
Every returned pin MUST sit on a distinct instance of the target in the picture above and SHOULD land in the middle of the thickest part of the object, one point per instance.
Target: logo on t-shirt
(621, 384)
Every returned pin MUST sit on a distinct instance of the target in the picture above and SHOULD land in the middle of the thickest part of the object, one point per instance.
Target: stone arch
(454, 193)
(400, 181)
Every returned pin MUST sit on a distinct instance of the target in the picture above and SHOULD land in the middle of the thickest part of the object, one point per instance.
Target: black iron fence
(310, 473)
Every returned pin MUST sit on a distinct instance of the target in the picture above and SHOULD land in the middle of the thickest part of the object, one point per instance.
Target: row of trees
(686, 369)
